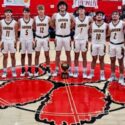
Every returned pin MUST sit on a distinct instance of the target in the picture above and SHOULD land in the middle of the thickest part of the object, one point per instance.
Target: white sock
(76, 68)
(37, 66)
(102, 72)
(112, 74)
(5, 69)
(48, 66)
(84, 69)
(57, 68)
(13, 68)
(70, 69)
(92, 71)
(121, 75)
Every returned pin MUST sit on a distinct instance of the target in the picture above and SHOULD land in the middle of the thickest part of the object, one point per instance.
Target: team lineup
(34, 35)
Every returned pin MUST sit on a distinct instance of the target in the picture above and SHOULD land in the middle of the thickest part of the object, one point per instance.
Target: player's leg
(23, 65)
(57, 62)
(94, 52)
(121, 68)
(93, 64)
(84, 64)
(5, 58)
(76, 58)
(29, 65)
(102, 50)
(76, 63)
(47, 57)
(22, 49)
(29, 52)
(13, 62)
(112, 52)
(84, 48)
(37, 54)
(58, 53)
(113, 60)
(12, 49)
(120, 56)
(46, 53)
(68, 56)
(102, 74)
(58, 45)
(67, 47)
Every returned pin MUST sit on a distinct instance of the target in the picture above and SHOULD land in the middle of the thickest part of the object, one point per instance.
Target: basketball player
(99, 31)
(42, 23)
(62, 22)
(116, 47)
(9, 30)
(82, 25)
(26, 39)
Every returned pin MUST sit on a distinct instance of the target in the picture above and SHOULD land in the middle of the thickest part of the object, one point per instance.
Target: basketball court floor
(55, 101)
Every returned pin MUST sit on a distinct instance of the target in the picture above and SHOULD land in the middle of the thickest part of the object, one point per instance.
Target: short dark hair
(81, 7)
(8, 10)
(62, 3)
(116, 11)
(26, 9)
(100, 12)
(40, 7)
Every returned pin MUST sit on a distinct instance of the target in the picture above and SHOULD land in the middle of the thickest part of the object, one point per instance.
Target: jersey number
(26, 32)
(98, 36)
(81, 30)
(7, 33)
(63, 25)
(41, 29)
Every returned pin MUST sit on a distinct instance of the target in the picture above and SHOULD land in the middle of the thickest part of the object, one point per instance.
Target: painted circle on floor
(24, 91)
(117, 92)
(73, 104)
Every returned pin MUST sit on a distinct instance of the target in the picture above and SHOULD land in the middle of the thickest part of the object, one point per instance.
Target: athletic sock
(48, 68)
(23, 69)
(92, 71)
(70, 69)
(84, 69)
(102, 72)
(112, 74)
(76, 69)
(4, 69)
(36, 69)
(13, 69)
(57, 68)
(29, 68)
(121, 75)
